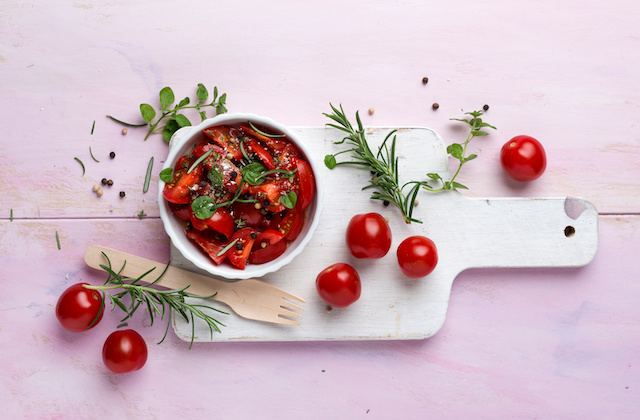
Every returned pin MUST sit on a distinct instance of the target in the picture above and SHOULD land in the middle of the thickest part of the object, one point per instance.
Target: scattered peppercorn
(385, 203)
(124, 131)
(254, 235)
(234, 174)
(122, 194)
(435, 105)
(486, 107)
(104, 181)
(99, 192)
(189, 226)
(112, 155)
(266, 203)
(96, 188)
(268, 216)
(425, 80)
(110, 182)
(239, 246)
(371, 111)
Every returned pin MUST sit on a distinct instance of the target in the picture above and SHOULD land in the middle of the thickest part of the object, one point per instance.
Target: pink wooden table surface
(517, 344)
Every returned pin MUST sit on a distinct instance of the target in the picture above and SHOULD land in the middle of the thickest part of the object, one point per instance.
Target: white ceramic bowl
(182, 143)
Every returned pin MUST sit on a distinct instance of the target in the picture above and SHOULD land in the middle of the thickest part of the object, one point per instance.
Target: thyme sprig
(383, 165)
(158, 302)
(174, 119)
(459, 151)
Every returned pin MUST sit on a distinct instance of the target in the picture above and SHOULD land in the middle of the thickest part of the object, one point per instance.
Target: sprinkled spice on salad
(241, 192)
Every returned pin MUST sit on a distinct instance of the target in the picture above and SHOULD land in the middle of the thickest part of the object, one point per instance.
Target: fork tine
(289, 305)
(282, 320)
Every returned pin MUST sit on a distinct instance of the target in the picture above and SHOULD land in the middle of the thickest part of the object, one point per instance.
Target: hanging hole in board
(569, 231)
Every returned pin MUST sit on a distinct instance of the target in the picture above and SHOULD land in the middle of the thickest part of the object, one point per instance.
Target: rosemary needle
(81, 164)
(147, 179)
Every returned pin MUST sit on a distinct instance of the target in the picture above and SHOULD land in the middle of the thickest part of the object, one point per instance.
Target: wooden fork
(252, 299)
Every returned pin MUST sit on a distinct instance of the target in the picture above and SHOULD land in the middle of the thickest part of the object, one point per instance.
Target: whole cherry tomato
(368, 236)
(339, 285)
(124, 351)
(523, 158)
(79, 309)
(417, 256)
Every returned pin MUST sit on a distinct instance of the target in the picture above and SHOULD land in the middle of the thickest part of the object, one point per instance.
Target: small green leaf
(215, 93)
(202, 93)
(184, 102)
(203, 207)
(215, 177)
(252, 173)
(147, 111)
(468, 158)
(289, 199)
(330, 161)
(203, 115)
(166, 96)
(478, 133)
(171, 127)
(182, 120)
(455, 150)
(434, 176)
(166, 175)
(457, 185)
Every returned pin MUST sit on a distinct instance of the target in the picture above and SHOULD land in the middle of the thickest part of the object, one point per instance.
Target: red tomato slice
(210, 242)
(271, 221)
(181, 211)
(248, 213)
(268, 253)
(266, 238)
(263, 155)
(177, 191)
(239, 252)
(291, 225)
(306, 182)
(223, 138)
(221, 221)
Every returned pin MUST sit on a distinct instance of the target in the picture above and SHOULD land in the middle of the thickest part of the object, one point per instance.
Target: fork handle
(173, 278)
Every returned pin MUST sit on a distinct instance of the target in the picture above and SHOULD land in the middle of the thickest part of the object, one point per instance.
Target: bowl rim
(180, 140)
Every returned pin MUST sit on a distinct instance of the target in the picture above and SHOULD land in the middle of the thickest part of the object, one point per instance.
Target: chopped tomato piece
(306, 183)
(177, 191)
(181, 211)
(248, 213)
(260, 151)
(266, 238)
(291, 225)
(223, 138)
(210, 242)
(221, 221)
(240, 250)
(268, 253)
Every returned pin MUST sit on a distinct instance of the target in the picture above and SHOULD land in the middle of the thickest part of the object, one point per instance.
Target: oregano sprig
(158, 302)
(459, 151)
(169, 111)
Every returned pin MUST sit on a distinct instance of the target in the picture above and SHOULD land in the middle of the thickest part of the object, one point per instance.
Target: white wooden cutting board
(468, 232)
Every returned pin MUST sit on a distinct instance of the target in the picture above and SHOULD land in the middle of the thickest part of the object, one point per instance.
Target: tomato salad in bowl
(239, 195)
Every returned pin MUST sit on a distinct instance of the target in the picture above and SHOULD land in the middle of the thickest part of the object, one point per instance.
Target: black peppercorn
(104, 181)
(435, 106)
(486, 107)
(110, 182)
(239, 246)
(254, 235)
(122, 194)
(425, 80)
(112, 155)
(266, 203)
(234, 174)
(385, 203)
(268, 216)
(189, 226)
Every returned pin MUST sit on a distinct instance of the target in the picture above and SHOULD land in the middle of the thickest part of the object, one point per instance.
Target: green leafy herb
(147, 178)
(383, 164)
(289, 199)
(93, 157)
(227, 247)
(459, 151)
(11, 216)
(58, 239)
(168, 113)
(204, 207)
(257, 130)
(158, 302)
(93, 126)
(81, 164)
(255, 173)
(215, 177)
(141, 214)
(166, 175)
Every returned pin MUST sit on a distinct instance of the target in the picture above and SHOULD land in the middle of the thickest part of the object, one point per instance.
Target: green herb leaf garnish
(215, 177)
(257, 130)
(93, 157)
(81, 164)
(58, 239)
(166, 175)
(147, 178)
(200, 159)
(289, 199)
(203, 207)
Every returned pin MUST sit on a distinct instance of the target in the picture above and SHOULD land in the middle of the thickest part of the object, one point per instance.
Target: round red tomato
(124, 351)
(339, 285)
(79, 309)
(523, 158)
(368, 236)
(417, 256)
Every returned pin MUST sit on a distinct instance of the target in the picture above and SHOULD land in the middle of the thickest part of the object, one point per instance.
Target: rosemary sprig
(459, 151)
(383, 165)
(175, 120)
(158, 302)
(147, 178)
